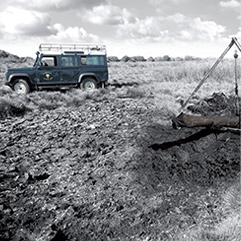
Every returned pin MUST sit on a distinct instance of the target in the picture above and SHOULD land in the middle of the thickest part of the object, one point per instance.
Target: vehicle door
(49, 71)
(69, 69)
(95, 64)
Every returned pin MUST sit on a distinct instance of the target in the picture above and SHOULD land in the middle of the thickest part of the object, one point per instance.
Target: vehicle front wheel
(88, 84)
(21, 86)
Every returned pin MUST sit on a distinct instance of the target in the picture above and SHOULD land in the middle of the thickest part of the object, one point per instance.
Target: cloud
(58, 4)
(161, 2)
(27, 45)
(148, 28)
(20, 21)
(109, 15)
(19, 24)
(230, 4)
(207, 30)
(173, 27)
(72, 34)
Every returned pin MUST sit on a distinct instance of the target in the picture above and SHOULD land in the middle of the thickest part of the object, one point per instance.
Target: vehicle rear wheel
(21, 86)
(88, 84)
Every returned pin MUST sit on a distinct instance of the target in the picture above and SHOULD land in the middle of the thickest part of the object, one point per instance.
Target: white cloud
(148, 28)
(230, 4)
(20, 21)
(161, 2)
(21, 24)
(177, 18)
(238, 35)
(28, 45)
(109, 15)
(207, 30)
(176, 27)
(58, 4)
(71, 34)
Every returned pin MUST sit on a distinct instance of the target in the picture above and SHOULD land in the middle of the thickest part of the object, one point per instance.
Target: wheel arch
(25, 77)
(88, 75)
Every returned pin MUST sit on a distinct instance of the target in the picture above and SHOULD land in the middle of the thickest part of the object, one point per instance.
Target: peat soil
(105, 168)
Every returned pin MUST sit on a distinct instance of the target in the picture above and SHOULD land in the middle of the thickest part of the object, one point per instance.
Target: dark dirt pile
(103, 169)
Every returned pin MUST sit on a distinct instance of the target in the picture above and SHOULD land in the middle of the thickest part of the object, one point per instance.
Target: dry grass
(227, 227)
(9, 107)
(170, 83)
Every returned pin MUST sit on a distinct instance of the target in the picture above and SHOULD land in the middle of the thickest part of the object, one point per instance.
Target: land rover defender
(62, 66)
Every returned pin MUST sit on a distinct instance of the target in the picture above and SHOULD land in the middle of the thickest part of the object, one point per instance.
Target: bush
(3, 54)
(11, 108)
(112, 59)
(150, 59)
(166, 58)
(125, 58)
(179, 59)
(159, 59)
(189, 58)
(4, 90)
(138, 58)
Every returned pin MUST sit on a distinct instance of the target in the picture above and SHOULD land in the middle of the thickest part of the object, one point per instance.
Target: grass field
(78, 165)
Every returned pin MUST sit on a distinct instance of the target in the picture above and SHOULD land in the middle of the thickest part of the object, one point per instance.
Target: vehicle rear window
(92, 60)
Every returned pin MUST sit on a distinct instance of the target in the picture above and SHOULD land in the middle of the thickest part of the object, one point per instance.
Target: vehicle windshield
(37, 58)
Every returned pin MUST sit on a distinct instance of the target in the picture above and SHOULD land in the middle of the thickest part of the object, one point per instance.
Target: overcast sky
(201, 28)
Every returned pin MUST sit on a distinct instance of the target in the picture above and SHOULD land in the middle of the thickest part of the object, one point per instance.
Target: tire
(21, 86)
(88, 84)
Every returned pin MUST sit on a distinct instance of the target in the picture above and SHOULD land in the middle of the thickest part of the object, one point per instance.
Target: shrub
(159, 59)
(125, 58)
(4, 90)
(112, 59)
(166, 58)
(189, 58)
(3, 54)
(150, 59)
(138, 58)
(179, 59)
(11, 108)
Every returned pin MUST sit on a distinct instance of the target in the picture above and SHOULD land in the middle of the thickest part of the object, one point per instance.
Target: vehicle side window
(83, 60)
(69, 61)
(92, 60)
(49, 61)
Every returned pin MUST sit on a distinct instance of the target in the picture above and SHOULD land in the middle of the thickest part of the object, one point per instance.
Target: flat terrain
(107, 164)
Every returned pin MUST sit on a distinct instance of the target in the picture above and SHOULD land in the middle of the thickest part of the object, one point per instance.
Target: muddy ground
(107, 165)
(102, 167)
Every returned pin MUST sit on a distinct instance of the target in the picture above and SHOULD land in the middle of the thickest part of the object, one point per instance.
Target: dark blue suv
(62, 66)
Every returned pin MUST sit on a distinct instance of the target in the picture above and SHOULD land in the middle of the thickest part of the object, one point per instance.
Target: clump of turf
(9, 108)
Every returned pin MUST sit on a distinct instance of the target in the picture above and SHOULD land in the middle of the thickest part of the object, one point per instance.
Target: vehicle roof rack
(73, 48)
(74, 52)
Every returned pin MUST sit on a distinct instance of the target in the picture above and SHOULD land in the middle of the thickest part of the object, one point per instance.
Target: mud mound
(216, 104)
(198, 155)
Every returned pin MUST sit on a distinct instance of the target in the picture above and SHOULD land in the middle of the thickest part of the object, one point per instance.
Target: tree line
(150, 59)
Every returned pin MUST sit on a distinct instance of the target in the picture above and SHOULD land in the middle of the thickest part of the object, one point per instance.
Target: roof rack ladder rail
(75, 47)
